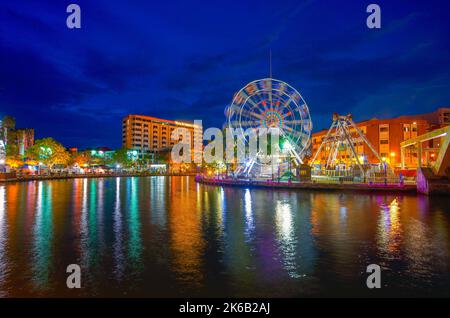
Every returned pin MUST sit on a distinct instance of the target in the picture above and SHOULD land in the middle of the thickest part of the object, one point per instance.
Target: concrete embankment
(76, 176)
(308, 185)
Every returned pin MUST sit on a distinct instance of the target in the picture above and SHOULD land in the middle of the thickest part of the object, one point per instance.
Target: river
(172, 237)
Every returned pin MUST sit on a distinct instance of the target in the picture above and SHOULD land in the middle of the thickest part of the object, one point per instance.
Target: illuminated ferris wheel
(271, 103)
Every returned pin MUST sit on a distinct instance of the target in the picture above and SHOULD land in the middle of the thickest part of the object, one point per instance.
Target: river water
(171, 237)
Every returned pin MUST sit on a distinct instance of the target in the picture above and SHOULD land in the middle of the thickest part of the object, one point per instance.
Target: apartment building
(385, 135)
(149, 135)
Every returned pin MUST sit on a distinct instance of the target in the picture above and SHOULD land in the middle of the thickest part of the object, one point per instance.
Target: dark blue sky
(185, 59)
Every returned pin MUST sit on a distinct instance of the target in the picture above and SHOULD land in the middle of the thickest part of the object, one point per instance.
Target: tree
(121, 157)
(9, 135)
(9, 122)
(13, 162)
(162, 157)
(48, 151)
(12, 150)
(81, 159)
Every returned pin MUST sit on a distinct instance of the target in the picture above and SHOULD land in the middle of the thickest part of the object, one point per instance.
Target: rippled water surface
(168, 236)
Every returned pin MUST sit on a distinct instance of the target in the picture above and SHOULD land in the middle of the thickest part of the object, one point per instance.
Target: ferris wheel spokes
(270, 103)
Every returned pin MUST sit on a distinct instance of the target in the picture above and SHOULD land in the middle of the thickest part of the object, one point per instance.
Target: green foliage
(8, 122)
(121, 157)
(48, 151)
(12, 150)
(8, 125)
(162, 157)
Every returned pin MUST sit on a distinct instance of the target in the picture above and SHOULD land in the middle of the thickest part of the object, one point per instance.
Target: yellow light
(392, 154)
(384, 159)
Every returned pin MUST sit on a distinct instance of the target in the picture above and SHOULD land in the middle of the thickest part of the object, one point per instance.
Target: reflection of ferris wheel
(270, 103)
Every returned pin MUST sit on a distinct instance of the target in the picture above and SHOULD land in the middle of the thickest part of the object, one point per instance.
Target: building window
(384, 142)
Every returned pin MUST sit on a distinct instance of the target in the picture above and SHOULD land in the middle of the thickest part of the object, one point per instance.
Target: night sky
(185, 59)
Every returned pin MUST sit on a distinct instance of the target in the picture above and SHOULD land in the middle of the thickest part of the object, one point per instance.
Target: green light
(286, 145)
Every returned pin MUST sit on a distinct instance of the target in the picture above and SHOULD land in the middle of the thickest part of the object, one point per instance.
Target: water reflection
(134, 223)
(249, 222)
(186, 239)
(119, 259)
(84, 229)
(3, 241)
(285, 235)
(390, 231)
(43, 235)
(158, 199)
(161, 236)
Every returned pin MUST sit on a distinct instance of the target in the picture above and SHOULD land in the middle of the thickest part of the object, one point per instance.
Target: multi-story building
(24, 139)
(385, 135)
(148, 135)
(436, 119)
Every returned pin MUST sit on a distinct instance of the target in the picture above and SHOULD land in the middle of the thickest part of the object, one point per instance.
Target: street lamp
(385, 170)
(287, 146)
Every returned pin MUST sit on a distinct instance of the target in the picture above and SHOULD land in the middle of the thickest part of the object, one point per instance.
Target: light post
(278, 172)
(385, 170)
(271, 163)
(2, 165)
(393, 162)
(289, 165)
(286, 145)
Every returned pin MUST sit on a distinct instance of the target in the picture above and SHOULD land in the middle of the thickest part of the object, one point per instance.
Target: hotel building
(385, 135)
(149, 135)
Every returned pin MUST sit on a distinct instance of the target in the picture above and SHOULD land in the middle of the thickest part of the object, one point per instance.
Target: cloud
(31, 82)
(118, 73)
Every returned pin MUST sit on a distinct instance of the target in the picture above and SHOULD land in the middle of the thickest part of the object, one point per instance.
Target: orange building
(385, 135)
(148, 134)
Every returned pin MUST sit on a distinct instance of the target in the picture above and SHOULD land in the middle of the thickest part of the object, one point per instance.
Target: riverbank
(405, 188)
(89, 176)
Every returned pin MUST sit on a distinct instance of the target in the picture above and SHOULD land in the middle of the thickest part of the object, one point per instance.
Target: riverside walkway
(89, 175)
(403, 188)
